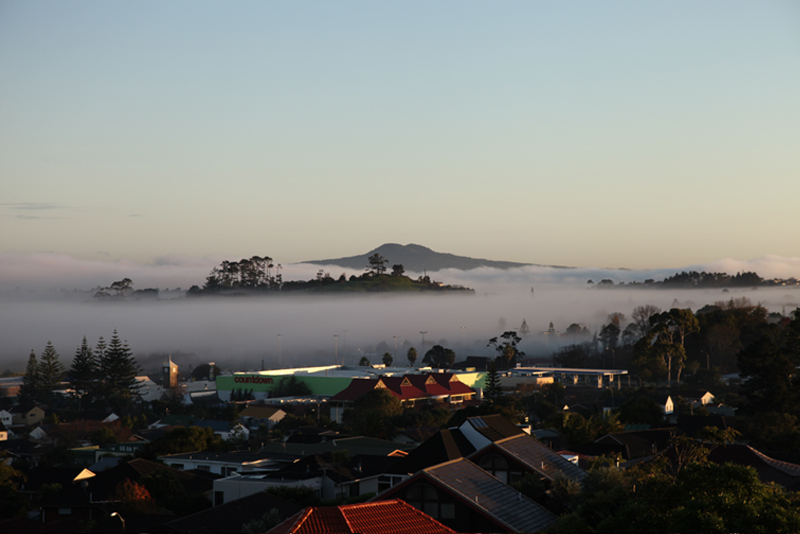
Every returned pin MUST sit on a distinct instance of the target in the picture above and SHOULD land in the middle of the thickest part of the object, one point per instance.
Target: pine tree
(31, 390)
(493, 391)
(50, 372)
(84, 373)
(118, 370)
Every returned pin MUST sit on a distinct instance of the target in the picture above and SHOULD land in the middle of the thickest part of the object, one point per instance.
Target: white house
(5, 417)
(222, 463)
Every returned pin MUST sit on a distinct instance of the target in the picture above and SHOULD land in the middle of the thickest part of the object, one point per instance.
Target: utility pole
(280, 356)
(395, 347)
(423, 332)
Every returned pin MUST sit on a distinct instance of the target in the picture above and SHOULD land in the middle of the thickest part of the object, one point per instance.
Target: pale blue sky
(630, 134)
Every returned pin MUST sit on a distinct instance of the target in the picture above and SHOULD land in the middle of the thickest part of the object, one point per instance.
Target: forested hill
(418, 259)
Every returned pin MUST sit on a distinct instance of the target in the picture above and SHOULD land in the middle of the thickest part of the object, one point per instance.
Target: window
(177, 466)
(204, 468)
(228, 471)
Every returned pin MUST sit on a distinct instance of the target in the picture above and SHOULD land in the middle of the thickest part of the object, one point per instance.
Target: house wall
(31, 417)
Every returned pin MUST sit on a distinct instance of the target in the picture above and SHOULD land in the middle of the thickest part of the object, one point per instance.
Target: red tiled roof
(384, 517)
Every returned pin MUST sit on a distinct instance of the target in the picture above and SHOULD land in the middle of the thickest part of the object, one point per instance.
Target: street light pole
(464, 341)
(336, 348)
(423, 332)
(395, 347)
(280, 356)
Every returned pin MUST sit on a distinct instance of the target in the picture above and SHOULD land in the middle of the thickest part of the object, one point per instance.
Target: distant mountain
(418, 258)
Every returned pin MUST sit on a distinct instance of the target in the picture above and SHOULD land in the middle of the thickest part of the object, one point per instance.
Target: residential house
(27, 416)
(698, 397)
(227, 463)
(444, 446)
(466, 498)
(94, 497)
(256, 415)
(511, 458)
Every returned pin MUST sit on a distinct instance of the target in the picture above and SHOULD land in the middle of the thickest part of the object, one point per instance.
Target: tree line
(103, 377)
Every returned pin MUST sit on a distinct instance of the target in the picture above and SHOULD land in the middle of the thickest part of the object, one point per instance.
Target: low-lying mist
(238, 332)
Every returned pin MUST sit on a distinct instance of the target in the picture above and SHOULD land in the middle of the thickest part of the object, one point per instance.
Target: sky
(595, 134)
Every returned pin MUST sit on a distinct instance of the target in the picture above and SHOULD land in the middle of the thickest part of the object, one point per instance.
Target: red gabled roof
(384, 517)
(429, 385)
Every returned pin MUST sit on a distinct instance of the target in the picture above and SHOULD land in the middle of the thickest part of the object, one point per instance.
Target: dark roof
(383, 517)
(537, 457)
(485, 493)
(494, 427)
(640, 443)
(442, 447)
(231, 516)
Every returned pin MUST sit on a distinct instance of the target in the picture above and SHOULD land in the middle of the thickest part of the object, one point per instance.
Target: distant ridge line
(419, 258)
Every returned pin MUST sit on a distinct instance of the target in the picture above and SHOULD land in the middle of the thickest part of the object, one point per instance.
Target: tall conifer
(31, 390)
(83, 375)
(119, 369)
(51, 371)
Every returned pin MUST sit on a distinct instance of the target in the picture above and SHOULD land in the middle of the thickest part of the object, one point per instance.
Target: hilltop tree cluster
(256, 272)
(694, 280)
(262, 275)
